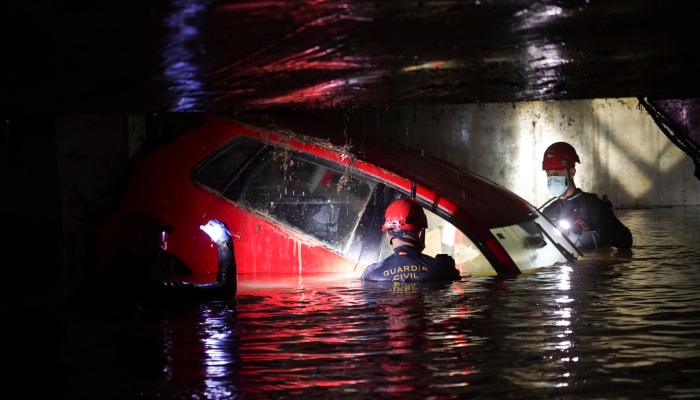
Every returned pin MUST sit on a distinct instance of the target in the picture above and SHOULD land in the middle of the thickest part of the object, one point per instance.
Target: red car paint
(165, 184)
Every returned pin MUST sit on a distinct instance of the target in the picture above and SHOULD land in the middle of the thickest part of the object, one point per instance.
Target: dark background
(78, 56)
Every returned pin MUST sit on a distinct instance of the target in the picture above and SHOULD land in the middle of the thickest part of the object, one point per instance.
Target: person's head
(405, 223)
(559, 162)
(142, 234)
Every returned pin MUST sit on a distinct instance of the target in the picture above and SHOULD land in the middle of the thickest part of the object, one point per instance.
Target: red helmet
(404, 214)
(560, 155)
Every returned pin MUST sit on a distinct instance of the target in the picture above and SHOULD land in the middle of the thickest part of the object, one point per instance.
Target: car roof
(485, 201)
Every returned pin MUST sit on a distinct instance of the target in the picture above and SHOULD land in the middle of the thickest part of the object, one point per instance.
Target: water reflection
(543, 58)
(221, 343)
(610, 326)
(182, 65)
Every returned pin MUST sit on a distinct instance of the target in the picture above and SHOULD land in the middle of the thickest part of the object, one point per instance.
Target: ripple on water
(614, 325)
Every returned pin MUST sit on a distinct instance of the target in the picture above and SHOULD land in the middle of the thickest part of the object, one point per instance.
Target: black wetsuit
(406, 264)
(131, 283)
(604, 229)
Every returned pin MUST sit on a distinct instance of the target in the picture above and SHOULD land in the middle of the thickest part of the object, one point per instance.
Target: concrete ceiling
(82, 56)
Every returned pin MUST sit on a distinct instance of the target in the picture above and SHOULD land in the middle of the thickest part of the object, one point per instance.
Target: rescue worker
(405, 224)
(136, 279)
(589, 222)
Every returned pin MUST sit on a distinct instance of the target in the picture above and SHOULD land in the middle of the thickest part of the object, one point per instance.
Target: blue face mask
(557, 185)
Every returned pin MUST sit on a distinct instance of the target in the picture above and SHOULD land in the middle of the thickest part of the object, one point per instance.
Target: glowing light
(563, 345)
(564, 282)
(216, 231)
(564, 224)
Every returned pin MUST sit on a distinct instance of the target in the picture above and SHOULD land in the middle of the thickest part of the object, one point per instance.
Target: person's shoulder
(589, 194)
(551, 207)
(548, 208)
(370, 268)
(593, 200)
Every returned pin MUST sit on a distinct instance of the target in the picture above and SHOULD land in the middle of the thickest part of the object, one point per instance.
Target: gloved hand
(217, 231)
(579, 226)
(450, 269)
(445, 259)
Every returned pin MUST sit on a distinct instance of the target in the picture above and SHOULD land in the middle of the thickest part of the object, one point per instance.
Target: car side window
(442, 237)
(308, 194)
(217, 171)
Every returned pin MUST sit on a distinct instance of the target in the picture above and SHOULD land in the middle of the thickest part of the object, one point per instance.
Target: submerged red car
(302, 196)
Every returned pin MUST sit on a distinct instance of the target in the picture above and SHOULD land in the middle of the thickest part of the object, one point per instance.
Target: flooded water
(613, 326)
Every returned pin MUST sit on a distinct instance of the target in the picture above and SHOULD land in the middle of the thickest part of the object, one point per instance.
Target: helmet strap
(569, 178)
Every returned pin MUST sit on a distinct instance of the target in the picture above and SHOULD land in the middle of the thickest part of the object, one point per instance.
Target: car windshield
(442, 237)
(535, 244)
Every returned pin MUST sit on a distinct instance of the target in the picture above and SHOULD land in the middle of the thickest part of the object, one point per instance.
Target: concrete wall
(91, 153)
(623, 153)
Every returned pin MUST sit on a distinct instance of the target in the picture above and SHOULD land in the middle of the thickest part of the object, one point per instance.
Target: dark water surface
(614, 326)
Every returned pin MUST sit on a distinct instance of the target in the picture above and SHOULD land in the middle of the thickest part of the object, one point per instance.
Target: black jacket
(130, 283)
(604, 229)
(406, 264)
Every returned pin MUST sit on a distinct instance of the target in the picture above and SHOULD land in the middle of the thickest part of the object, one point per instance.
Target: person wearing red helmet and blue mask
(589, 221)
(405, 224)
